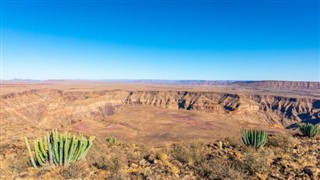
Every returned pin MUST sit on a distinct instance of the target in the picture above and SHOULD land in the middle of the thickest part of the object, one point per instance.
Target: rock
(10, 156)
(314, 141)
(238, 154)
(186, 177)
(277, 176)
(220, 145)
(310, 170)
(151, 158)
(177, 163)
(291, 175)
(216, 146)
(133, 165)
(262, 176)
(142, 162)
(23, 174)
(156, 161)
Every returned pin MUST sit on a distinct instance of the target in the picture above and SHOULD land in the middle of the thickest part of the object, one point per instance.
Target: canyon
(151, 112)
(156, 122)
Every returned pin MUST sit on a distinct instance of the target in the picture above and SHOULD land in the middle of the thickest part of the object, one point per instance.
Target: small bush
(254, 138)
(233, 142)
(107, 158)
(116, 163)
(309, 129)
(282, 141)
(119, 175)
(222, 169)
(111, 140)
(258, 161)
(77, 170)
(190, 154)
(137, 152)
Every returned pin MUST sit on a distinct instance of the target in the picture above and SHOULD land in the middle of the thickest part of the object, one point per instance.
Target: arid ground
(151, 113)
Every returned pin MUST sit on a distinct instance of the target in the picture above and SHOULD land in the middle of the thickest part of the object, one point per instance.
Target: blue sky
(207, 40)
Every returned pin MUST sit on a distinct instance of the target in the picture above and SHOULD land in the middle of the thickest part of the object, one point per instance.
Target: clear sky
(140, 39)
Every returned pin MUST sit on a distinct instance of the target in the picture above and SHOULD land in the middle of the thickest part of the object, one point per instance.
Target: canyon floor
(149, 114)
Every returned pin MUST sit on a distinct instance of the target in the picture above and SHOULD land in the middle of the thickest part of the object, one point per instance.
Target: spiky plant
(309, 129)
(254, 138)
(59, 149)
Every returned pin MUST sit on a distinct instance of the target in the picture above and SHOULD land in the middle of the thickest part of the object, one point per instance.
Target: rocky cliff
(75, 105)
(285, 85)
(276, 108)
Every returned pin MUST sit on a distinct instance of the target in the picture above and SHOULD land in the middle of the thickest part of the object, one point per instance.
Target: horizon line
(169, 80)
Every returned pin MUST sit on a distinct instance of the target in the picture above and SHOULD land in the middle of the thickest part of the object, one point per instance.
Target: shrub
(309, 129)
(254, 138)
(282, 141)
(122, 174)
(77, 170)
(233, 142)
(59, 149)
(189, 153)
(18, 160)
(111, 159)
(222, 169)
(258, 161)
(111, 140)
(113, 163)
(172, 168)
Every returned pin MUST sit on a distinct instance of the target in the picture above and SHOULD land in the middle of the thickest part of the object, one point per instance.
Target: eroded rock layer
(56, 107)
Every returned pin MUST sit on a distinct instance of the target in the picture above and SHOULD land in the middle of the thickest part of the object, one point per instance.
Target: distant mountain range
(252, 84)
(287, 85)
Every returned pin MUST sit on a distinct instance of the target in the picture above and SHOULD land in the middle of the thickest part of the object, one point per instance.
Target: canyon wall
(277, 109)
(57, 106)
(284, 85)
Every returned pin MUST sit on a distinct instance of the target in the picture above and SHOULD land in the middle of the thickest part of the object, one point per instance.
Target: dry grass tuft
(258, 161)
(77, 170)
(234, 142)
(189, 153)
(223, 169)
(107, 158)
(282, 141)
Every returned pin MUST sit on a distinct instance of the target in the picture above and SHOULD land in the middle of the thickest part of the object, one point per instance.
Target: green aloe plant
(309, 129)
(59, 149)
(254, 138)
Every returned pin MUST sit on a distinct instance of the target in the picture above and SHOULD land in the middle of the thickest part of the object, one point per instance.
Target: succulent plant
(254, 138)
(309, 129)
(111, 140)
(59, 149)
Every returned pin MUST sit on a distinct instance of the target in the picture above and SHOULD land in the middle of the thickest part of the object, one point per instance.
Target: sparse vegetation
(283, 157)
(234, 142)
(309, 129)
(254, 138)
(258, 161)
(108, 158)
(282, 141)
(223, 169)
(79, 169)
(189, 153)
(111, 140)
(59, 149)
